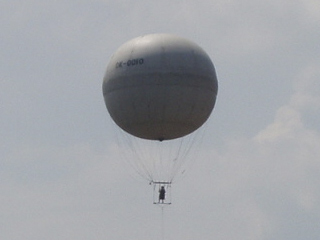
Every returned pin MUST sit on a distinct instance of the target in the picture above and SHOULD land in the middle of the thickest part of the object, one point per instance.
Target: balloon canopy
(160, 87)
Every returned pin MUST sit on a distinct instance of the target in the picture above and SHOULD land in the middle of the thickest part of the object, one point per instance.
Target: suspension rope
(189, 153)
(136, 162)
(162, 222)
(159, 161)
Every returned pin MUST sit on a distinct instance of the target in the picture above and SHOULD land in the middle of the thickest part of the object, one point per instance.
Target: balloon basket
(161, 193)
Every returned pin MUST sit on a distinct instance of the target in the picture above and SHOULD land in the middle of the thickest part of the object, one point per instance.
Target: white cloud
(288, 122)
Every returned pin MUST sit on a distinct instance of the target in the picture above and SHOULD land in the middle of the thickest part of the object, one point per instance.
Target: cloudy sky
(256, 175)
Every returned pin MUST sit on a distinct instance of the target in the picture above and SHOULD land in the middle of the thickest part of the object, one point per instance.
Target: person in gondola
(162, 194)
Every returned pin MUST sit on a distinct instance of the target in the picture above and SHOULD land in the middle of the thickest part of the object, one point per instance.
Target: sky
(256, 174)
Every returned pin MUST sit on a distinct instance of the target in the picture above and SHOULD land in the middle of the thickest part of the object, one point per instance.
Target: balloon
(160, 87)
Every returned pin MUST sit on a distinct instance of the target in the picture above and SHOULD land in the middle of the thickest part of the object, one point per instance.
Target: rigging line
(175, 149)
(154, 190)
(166, 155)
(144, 156)
(195, 145)
(156, 169)
(158, 164)
(173, 158)
(190, 142)
(138, 165)
(129, 156)
(163, 160)
(180, 156)
(143, 166)
(186, 144)
(138, 169)
(124, 155)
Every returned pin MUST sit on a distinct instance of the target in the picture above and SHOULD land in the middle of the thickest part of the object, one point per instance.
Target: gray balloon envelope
(160, 87)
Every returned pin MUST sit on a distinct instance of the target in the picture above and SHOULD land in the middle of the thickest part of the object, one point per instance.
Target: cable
(162, 222)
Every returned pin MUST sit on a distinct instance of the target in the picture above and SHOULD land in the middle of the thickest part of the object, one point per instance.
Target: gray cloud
(255, 175)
